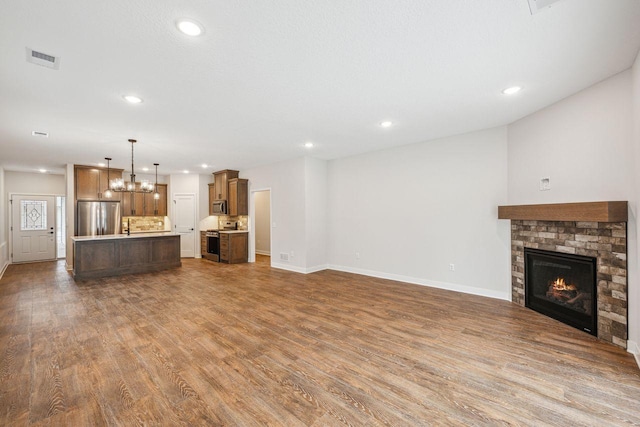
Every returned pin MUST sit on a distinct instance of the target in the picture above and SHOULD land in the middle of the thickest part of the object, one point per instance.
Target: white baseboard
(67, 266)
(634, 348)
(506, 296)
(431, 283)
(296, 269)
(267, 253)
(4, 268)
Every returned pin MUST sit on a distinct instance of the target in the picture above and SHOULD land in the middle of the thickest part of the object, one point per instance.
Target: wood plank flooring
(244, 344)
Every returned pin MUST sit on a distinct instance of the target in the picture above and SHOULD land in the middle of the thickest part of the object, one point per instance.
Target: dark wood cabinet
(234, 247)
(221, 183)
(91, 182)
(153, 207)
(227, 186)
(117, 256)
(212, 197)
(238, 201)
(132, 203)
(144, 203)
(203, 243)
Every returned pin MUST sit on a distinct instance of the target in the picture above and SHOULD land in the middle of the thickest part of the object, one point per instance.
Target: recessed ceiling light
(145, 169)
(42, 170)
(308, 144)
(189, 27)
(204, 166)
(132, 99)
(185, 171)
(39, 133)
(386, 124)
(511, 90)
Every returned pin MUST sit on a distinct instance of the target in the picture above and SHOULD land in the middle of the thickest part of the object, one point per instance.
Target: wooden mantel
(587, 211)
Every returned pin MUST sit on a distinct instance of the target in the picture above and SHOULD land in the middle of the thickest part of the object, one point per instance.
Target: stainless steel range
(213, 245)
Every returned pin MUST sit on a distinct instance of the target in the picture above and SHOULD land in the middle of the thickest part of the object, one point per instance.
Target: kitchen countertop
(233, 231)
(124, 236)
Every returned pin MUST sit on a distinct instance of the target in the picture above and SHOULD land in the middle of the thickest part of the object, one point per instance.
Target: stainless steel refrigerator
(98, 218)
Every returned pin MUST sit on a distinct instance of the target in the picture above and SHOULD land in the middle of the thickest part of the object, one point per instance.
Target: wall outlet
(357, 255)
(292, 254)
(452, 267)
(545, 183)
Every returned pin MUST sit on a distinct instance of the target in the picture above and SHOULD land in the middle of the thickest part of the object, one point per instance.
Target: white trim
(4, 268)
(267, 253)
(67, 266)
(296, 269)
(634, 348)
(506, 296)
(252, 225)
(431, 283)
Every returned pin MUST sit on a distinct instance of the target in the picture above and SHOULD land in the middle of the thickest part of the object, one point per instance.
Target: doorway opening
(262, 225)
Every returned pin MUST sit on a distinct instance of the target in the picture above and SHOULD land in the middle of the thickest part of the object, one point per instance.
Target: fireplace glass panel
(562, 286)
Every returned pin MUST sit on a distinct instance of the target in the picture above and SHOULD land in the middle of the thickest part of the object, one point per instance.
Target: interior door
(185, 223)
(33, 228)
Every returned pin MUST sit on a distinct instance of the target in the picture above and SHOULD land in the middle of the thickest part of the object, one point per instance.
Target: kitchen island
(118, 254)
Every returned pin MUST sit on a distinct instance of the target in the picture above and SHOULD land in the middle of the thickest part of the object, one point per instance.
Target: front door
(33, 228)
(184, 223)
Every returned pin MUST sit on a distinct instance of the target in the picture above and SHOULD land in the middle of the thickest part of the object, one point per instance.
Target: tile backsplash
(242, 221)
(144, 223)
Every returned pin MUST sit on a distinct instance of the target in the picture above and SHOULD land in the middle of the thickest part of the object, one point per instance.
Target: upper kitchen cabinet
(91, 182)
(238, 197)
(132, 203)
(221, 184)
(212, 197)
(153, 207)
(144, 203)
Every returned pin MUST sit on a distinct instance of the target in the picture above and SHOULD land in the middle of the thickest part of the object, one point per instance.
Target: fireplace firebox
(562, 286)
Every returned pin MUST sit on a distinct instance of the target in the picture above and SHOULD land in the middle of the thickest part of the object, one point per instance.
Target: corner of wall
(634, 348)
(4, 226)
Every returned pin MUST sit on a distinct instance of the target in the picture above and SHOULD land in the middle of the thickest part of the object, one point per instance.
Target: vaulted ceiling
(266, 77)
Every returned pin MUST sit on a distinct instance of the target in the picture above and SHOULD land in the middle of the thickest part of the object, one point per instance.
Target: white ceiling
(268, 76)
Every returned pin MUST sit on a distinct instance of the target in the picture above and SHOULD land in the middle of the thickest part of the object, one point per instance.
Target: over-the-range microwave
(219, 207)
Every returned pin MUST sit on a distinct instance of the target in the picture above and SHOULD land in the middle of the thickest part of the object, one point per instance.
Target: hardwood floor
(242, 344)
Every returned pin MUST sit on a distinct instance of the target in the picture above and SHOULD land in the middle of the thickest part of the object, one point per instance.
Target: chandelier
(118, 184)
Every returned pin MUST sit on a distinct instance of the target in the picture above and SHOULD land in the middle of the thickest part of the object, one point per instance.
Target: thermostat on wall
(545, 183)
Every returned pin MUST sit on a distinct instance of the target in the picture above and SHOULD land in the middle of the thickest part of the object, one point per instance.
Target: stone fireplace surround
(598, 230)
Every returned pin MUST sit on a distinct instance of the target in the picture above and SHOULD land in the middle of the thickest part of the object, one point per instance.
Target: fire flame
(560, 285)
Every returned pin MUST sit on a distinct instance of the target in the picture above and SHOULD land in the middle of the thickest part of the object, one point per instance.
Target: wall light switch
(545, 183)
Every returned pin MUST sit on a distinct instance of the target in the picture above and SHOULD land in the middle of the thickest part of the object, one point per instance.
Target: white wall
(411, 211)
(287, 183)
(585, 144)
(25, 183)
(634, 291)
(4, 244)
(262, 222)
(70, 211)
(34, 183)
(316, 213)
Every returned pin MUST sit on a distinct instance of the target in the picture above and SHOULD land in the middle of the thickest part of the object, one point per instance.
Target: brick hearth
(606, 241)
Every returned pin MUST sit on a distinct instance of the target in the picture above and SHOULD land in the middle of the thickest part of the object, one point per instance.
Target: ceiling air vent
(44, 59)
(536, 6)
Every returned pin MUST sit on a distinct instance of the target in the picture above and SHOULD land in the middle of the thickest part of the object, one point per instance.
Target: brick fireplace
(597, 230)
